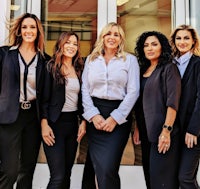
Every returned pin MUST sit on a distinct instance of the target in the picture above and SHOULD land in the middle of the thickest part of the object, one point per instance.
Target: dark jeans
(61, 156)
(19, 148)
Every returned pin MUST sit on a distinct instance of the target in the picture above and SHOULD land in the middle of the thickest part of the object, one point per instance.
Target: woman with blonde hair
(109, 90)
(22, 65)
(185, 44)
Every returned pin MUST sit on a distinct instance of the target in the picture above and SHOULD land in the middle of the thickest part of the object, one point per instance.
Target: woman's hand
(136, 137)
(81, 130)
(109, 124)
(164, 141)
(47, 133)
(98, 122)
(190, 140)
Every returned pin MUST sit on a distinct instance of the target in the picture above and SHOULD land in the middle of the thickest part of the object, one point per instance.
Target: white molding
(102, 14)
(112, 11)
(179, 12)
(4, 19)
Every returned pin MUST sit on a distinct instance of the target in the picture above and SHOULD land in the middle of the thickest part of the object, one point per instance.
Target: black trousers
(61, 156)
(19, 148)
(88, 182)
(145, 147)
(189, 163)
(106, 148)
(164, 167)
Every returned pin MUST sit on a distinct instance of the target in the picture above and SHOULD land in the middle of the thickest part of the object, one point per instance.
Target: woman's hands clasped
(100, 123)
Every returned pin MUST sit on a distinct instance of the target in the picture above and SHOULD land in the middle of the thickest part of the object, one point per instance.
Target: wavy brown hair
(15, 36)
(55, 65)
(195, 48)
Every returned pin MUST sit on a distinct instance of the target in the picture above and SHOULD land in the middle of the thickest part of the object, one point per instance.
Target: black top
(162, 90)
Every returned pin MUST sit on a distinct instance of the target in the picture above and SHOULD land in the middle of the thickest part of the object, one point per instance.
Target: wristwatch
(169, 128)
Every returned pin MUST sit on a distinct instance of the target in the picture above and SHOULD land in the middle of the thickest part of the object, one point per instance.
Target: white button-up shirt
(117, 80)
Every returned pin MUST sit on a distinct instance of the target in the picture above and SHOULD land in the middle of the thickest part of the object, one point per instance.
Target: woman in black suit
(61, 107)
(156, 111)
(22, 66)
(186, 51)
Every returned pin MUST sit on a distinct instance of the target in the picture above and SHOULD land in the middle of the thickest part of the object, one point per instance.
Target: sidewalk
(131, 177)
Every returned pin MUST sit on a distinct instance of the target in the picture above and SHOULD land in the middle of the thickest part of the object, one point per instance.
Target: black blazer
(54, 98)
(10, 83)
(189, 110)
(162, 90)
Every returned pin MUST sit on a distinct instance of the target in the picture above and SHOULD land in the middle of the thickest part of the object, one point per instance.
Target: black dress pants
(106, 148)
(61, 156)
(19, 148)
(164, 167)
(189, 166)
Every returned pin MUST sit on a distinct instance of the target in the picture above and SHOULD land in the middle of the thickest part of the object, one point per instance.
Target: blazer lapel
(188, 71)
(15, 61)
(38, 69)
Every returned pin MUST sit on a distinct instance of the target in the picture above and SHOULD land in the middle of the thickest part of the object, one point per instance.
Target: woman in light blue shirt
(110, 89)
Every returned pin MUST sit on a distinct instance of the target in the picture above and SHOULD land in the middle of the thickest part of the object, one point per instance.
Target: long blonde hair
(195, 48)
(15, 36)
(99, 45)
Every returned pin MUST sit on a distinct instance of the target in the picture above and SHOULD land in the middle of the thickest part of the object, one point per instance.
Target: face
(112, 39)
(29, 30)
(71, 47)
(184, 41)
(152, 48)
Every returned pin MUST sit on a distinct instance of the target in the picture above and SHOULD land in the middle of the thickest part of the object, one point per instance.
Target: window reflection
(17, 7)
(74, 15)
(137, 16)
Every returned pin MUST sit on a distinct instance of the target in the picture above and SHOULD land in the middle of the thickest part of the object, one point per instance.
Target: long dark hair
(165, 56)
(56, 62)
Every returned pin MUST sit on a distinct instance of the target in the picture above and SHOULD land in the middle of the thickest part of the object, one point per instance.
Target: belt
(26, 105)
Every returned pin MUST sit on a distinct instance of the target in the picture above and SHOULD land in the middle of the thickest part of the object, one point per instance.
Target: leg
(31, 140)
(61, 156)
(88, 182)
(146, 146)
(189, 166)
(164, 167)
(56, 162)
(70, 152)
(10, 140)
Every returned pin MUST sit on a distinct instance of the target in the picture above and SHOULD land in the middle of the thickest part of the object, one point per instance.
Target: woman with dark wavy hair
(156, 111)
(22, 64)
(61, 107)
(186, 51)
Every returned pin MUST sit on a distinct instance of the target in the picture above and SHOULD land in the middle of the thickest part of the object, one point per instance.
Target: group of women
(54, 98)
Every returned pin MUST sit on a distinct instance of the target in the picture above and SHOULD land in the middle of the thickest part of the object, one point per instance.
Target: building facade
(87, 17)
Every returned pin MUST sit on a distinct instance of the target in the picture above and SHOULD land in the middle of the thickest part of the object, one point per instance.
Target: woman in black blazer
(156, 111)
(22, 66)
(186, 51)
(61, 107)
